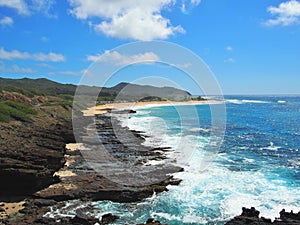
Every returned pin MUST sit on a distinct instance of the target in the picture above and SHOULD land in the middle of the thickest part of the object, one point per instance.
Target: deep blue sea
(257, 165)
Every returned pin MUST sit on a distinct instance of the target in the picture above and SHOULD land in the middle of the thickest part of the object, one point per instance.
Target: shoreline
(78, 181)
(69, 173)
(105, 108)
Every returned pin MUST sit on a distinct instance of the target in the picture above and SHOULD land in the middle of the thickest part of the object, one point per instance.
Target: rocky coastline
(44, 176)
(251, 217)
(73, 178)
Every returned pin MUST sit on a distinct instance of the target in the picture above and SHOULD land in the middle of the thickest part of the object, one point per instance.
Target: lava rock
(108, 218)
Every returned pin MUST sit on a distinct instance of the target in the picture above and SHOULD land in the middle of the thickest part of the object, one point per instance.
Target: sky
(251, 47)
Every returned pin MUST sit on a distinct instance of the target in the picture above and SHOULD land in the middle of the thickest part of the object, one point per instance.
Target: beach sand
(102, 109)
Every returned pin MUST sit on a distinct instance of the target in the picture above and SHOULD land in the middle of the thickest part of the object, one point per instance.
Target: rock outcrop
(251, 217)
(31, 152)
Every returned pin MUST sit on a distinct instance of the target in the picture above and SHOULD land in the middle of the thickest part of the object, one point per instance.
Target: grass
(10, 110)
(64, 103)
(27, 92)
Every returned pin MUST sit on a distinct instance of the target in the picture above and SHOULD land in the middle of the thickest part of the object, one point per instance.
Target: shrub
(13, 110)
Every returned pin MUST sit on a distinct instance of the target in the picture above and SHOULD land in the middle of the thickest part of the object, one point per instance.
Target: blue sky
(252, 47)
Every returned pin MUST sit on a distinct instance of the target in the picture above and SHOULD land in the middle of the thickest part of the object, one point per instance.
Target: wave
(238, 101)
(271, 147)
(215, 194)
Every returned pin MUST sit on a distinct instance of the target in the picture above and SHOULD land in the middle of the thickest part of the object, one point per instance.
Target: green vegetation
(199, 98)
(66, 104)
(10, 110)
(40, 86)
(151, 99)
(27, 92)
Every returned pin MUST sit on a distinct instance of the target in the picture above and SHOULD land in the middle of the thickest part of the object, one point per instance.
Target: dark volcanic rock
(108, 218)
(251, 217)
(31, 152)
(125, 111)
(41, 152)
(77, 220)
(151, 221)
(83, 220)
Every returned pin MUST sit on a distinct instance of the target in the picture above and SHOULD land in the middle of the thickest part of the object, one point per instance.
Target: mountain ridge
(123, 90)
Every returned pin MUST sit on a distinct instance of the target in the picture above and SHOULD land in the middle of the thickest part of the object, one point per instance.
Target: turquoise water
(257, 165)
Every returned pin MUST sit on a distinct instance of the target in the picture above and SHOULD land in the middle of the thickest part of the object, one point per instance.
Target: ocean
(257, 165)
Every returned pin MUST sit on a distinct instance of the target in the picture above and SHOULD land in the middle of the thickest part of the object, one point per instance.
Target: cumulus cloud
(130, 19)
(122, 59)
(15, 54)
(6, 21)
(287, 13)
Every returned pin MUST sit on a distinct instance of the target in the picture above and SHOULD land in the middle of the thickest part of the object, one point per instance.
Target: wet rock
(151, 221)
(83, 220)
(108, 219)
(251, 217)
(289, 215)
(252, 212)
(125, 111)
(44, 202)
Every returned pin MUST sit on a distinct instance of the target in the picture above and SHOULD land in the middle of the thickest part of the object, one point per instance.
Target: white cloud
(18, 5)
(6, 21)
(230, 60)
(287, 13)
(15, 69)
(27, 7)
(15, 54)
(121, 59)
(128, 19)
(229, 48)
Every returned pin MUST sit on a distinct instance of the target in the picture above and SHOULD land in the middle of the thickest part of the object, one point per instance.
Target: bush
(27, 92)
(21, 107)
(10, 110)
(65, 104)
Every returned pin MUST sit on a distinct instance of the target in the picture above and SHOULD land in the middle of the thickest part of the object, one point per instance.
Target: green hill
(123, 91)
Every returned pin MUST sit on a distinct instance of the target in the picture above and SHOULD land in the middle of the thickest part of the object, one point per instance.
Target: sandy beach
(102, 109)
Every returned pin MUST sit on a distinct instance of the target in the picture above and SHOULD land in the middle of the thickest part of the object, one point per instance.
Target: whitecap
(166, 216)
(271, 147)
(237, 101)
(234, 101)
(281, 101)
(254, 101)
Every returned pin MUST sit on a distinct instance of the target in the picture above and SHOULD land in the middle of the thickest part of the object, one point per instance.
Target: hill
(123, 91)
(129, 91)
